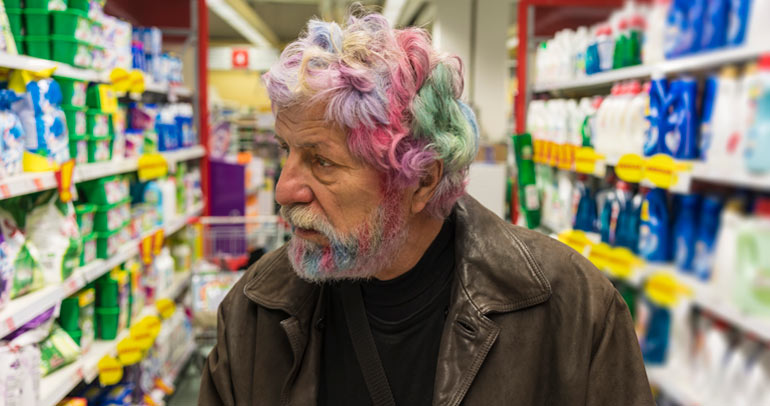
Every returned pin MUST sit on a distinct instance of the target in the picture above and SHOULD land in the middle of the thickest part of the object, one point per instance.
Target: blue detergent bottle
(585, 206)
(627, 233)
(681, 141)
(707, 115)
(654, 344)
(655, 229)
(714, 33)
(708, 226)
(609, 210)
(657, 116)
(737, 21)
(685, 212)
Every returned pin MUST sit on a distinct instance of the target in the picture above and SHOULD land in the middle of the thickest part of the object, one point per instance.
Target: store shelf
(731, 177)
(58, 384)
(21, 310)
(36, 64)
(31, 182)
(672, 385)
(698, 62)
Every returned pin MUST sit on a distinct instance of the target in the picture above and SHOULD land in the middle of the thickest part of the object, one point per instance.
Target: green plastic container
(65, 49)
(66, 23)
(85, 213)
(107, 292)
(88, 254)
(47, 4)
(75, 334)
(12, 4)
(98, 123)
(99, 149)
(14, 20)
(79, 148)
(107, 322)
(112, 216)
(37, 21)
(69, 315)
(107, 243)
(38, 47)
(77, 122)
(81, 5)
(73, 92)
(107, 190)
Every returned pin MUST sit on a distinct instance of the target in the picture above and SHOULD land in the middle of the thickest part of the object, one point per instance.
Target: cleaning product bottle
(593, 64)
(715, 24)
(657, 116)
(707, 113)
(733, 220)
(584, 205)
(725, 120)
(655, 344)
(606, 46)
(752, 283)
(636, 123)
(683, 27)
(655, 229)
(758, 30)
(629, 220)
(636, 29)
(609, 207)
(757, 152)
(686, 208)
(622, 37)
(530, 201)
(708, 226)
(737, 21)
(652, 49)
(681, 141)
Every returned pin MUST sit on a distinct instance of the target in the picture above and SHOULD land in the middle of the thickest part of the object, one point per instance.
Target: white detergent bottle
(680, 354)
(758, 30)
(652, 49)
(725, 120)
(731, 222)
(603, 118)
(637, 124)
(733, 386)
(758, 376)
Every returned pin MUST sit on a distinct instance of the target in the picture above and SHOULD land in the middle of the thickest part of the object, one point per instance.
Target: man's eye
(323, 162)
(285, 147)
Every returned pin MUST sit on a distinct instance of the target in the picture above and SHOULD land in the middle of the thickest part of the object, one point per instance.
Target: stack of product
(13, 139)
(107, 202)
(153, 127)
(44, 122)
(147, 55)
(649, 34)
(730, 129)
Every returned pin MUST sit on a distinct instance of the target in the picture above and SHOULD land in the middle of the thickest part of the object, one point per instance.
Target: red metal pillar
(521, 67)
(203, 97)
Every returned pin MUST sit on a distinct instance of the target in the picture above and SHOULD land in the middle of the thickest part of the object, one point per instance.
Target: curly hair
(396, 96)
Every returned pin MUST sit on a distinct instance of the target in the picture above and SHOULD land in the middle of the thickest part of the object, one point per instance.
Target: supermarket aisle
(187, 391)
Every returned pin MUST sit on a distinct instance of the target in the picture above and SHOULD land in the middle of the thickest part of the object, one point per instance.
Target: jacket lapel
(495, 273)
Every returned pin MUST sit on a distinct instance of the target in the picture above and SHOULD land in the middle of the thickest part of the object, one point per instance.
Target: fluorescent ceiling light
(228, 14)
(392, 10)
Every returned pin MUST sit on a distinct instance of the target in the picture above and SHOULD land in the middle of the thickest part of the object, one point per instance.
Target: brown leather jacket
(531, 322)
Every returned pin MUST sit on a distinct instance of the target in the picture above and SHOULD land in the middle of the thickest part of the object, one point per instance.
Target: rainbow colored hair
(398, 98)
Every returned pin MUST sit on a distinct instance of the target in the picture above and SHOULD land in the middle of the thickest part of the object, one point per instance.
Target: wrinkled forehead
(308, 122)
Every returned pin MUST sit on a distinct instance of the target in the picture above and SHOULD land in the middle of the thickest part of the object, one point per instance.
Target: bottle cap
(764, 62)
(762, 207)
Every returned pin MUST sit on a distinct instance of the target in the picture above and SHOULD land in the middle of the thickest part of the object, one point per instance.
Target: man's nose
(292, 187)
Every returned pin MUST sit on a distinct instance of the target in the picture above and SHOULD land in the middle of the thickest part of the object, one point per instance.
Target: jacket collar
(496, 270)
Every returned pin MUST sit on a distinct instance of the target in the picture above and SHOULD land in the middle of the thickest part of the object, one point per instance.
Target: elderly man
(396, 288)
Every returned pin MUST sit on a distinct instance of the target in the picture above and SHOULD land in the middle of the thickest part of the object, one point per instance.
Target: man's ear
(427, 186)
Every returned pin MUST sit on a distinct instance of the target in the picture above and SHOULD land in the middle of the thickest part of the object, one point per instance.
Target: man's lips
(306, 233)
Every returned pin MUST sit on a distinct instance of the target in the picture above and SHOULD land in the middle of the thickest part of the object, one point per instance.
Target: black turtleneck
(406, 316)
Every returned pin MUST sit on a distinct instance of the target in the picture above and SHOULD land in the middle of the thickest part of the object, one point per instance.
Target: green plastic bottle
(529, 197)
(752, 285)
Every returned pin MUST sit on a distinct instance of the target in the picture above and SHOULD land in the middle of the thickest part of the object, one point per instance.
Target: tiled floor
(187, 388)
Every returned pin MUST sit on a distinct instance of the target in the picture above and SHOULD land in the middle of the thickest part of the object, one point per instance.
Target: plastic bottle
(734, 384)
(655, 228)
(757, 153)
(620, 55)
(684, 25)
(636, 26)
(630, 218)
(530, 201)
(737, 22)
(715, 24)
(752, 286)
(653, 47)
(657, 117)
(758, 30)
(636, 123)
(708, 226)
(681, 140)
(707, 114)
(584, 206)
(725, 119)
(605, 118)
(655, 344)
(608, 214)
(606, 47)
(686, 208)
(593, 64)
(731, 222)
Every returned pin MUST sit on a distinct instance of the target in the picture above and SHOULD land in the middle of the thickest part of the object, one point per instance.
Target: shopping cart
(227, 246)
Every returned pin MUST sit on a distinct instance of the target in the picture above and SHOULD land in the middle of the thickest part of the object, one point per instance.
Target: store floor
(187, 388)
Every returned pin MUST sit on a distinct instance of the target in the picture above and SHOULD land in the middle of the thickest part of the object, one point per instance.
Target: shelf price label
(110, 371)
(539, 153)
(577, 240)
(64, 181)
(662, 170)
(157, 242)
(145, 249)
(621, 262)
(130, 351)
(630, 168)
(166, 307)
(665, 290)
(152, 166)
(600, 255)
(586, 159)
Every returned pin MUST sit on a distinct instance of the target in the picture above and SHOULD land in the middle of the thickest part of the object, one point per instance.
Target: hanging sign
(65, 182)
(240, 58)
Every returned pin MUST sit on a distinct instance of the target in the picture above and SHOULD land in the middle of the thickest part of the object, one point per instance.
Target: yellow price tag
(152, 323)
(553, 153)
(120, 79)
(152, 166)
(576, 239)
(621, 262)
(110, 371)
(585, 160)
(130, 351)
(564, 157)
(166, 307)
(142, 336)
(136, 82)
(600, 255)
(630, 168)
(665, 290)
(662, 170)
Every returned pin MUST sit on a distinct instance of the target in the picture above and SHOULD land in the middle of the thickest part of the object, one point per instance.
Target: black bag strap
(363, 345)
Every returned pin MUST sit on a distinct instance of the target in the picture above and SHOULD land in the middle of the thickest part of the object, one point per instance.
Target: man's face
(343, 225)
